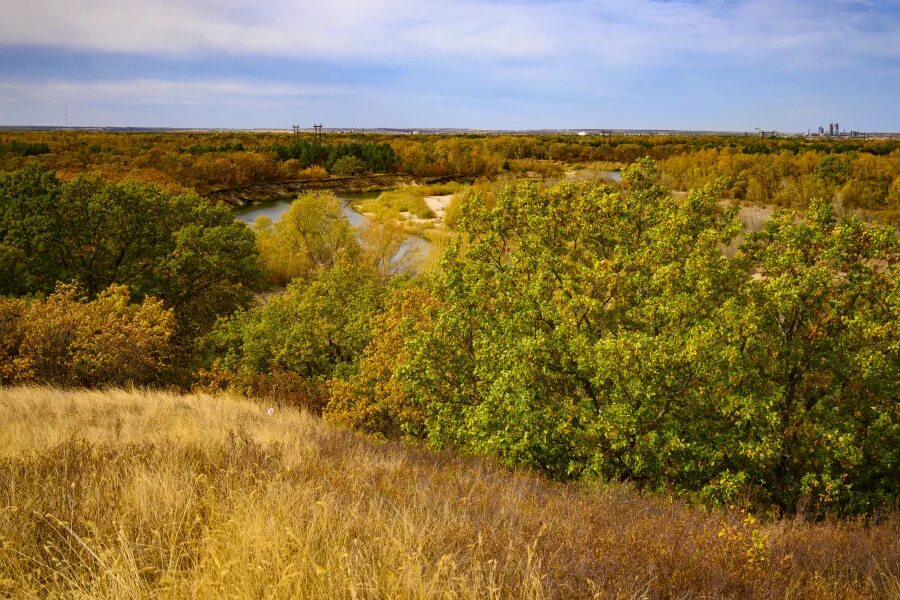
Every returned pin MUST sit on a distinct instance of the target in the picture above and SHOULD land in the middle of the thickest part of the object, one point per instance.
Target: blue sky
(692, 64)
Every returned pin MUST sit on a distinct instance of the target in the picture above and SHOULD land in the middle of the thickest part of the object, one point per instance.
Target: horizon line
(438, 130)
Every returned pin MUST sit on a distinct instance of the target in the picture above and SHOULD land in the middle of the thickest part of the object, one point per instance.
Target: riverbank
(285, 190)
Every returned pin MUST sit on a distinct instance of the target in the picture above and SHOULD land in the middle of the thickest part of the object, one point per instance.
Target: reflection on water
(614, 175)
(274, 209)
(593, 175)
(415, 245)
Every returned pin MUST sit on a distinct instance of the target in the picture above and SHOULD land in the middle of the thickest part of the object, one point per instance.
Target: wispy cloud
(153, 91)
(166, 102)
(613, 32)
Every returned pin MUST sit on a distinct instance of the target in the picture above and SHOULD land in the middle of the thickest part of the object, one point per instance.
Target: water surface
(614, 175)
(276, 208)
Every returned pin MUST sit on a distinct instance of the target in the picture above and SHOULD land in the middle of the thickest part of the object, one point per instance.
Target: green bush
(590, 331)
(348, 165)
(176, 247)
(316, 330)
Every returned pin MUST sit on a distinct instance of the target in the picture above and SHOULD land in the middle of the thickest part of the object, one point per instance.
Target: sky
(732, 65)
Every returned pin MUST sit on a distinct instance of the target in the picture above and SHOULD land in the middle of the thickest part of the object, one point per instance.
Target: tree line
(771, 170)
(352, 158)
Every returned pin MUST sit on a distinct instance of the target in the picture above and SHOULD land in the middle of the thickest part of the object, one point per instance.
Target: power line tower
(318, 150)
(296, 130)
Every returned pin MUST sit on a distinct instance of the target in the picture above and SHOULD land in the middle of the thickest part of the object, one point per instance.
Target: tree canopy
(191, 255)
(590, 331)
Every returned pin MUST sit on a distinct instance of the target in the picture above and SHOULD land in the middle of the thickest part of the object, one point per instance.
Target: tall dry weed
(131, 494)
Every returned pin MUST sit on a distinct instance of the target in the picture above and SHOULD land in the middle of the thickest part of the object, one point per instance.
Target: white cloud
(354, 28)
(602, 32)
(156, 91)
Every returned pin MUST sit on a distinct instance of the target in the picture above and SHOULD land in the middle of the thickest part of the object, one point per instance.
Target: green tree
(316, 330)
(589, 331)
(29, 224)
(177, 247)
(821, 360)
(833, 169)
(578, 330)
(348, 165)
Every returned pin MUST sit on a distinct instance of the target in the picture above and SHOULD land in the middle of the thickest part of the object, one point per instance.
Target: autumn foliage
(602, 389)
(69, 341)
(588, 330)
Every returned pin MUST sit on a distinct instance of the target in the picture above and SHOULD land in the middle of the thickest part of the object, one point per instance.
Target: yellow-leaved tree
(66, 340)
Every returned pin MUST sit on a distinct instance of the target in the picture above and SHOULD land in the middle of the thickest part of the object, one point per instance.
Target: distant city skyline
(640, 64)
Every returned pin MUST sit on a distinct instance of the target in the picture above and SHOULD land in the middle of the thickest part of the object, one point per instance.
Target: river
(592, 175)
(274, 209)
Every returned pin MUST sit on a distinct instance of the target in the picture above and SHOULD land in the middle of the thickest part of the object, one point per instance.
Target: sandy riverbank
(439, 204)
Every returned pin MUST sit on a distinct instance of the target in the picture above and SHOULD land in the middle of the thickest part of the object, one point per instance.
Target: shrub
(67, 340)
(282, 388)
(317, 329)
(314, 172)
(376, 399)
(348, 165)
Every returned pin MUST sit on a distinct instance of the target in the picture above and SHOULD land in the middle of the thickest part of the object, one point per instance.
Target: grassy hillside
(127, 494)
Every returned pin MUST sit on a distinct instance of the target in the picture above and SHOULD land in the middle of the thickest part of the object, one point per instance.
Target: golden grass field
(132, 494)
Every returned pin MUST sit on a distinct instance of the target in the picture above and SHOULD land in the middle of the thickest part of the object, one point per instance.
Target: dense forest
(587, 330)
(786, 171)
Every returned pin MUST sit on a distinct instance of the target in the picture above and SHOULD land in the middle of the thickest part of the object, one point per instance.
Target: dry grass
(406, 202)
(127, 494)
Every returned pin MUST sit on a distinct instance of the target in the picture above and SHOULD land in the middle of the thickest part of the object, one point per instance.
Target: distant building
(582, 133)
